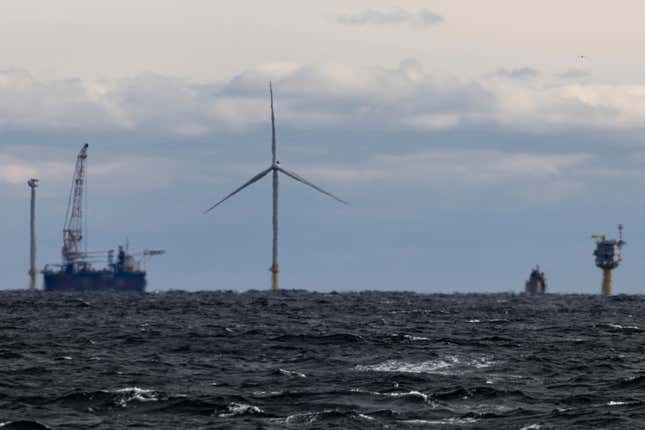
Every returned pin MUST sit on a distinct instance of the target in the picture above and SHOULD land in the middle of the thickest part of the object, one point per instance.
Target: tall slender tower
(608, 257)
(33, 184)
(275, 168)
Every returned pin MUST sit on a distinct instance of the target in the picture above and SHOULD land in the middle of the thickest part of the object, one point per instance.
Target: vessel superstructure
(536, 284)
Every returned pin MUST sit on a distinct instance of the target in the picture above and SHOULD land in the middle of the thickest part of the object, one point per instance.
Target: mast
(33, 184)
(73, 229)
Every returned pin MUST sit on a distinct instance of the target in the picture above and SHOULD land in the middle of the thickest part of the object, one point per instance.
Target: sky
(473, 140)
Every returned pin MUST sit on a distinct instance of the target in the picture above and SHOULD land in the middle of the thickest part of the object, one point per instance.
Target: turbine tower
(275, 168)
(33, 184)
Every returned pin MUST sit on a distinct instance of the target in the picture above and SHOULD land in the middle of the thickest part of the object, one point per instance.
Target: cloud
(121, 175)
(27, 103)
(522, 175)
(431, 122)
(575, 74)
(521, 73)
(422, 18)
(16, 171)
(341, 95)
(404, 98)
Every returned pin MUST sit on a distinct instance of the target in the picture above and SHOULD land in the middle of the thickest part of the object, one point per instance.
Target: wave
(330, 339)
(440, 366)
(621, 403)
(240, 409)
(122, 397)
(637, 381)
(337, 416)
(290, 373)
(397, 337)
(620, 328)
(395, 394)
(479, 393)
(442, 422)
(135, 394)
(405, 367)
(23, 425)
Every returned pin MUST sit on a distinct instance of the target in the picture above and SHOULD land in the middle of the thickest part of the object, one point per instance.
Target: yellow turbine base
(606, 283)
(275, 277)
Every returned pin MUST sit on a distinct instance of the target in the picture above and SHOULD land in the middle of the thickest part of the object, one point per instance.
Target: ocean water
(258, 360)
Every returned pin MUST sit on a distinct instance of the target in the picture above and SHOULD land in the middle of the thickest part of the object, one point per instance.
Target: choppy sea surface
(302, 360)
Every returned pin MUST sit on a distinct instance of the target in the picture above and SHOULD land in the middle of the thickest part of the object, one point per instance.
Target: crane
(73, 229)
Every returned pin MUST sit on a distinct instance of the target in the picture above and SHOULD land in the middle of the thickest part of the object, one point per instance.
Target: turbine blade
(273, 145)
(253, 180)
(299, 178)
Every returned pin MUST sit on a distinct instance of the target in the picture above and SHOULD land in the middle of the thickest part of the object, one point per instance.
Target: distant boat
(536, 283)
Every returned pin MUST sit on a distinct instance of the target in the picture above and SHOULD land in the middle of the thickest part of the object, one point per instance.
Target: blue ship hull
(95, 281)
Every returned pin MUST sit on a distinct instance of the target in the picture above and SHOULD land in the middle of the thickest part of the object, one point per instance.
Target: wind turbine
(275, 168)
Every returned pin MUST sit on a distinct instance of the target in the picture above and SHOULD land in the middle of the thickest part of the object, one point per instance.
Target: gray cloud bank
(319, 96)
(422, 18)
(521, 73)
(575, 74)
(379, 108)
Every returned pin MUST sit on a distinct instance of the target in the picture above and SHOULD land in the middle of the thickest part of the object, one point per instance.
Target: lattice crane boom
(73, 229)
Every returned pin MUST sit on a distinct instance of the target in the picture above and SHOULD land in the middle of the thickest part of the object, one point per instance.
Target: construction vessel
(536, 284)
(608, 257)
(76, 273)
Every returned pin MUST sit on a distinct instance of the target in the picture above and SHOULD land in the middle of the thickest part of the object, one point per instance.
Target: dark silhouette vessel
(536, 284)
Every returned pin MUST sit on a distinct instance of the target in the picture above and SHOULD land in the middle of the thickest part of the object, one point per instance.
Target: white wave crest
(130, 394)
(444, 365)
(292, 373)
(415, 338)
(303, 419)
(623, 327)
(366, 417)
(413, 393)
(235, 409)
(444, 422)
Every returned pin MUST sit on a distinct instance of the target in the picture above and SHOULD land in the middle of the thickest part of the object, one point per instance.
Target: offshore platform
(76, 273)
(608, 257)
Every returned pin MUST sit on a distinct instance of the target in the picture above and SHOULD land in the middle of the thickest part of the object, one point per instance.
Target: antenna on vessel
(275, 168)
(33, 184)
